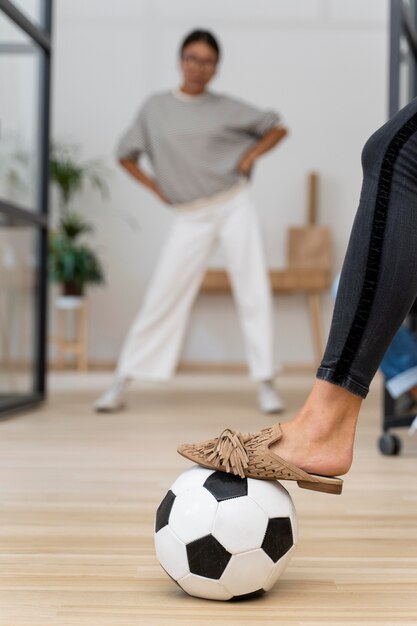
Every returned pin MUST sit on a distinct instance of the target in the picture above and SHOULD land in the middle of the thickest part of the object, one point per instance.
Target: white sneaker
(268, 398)
(113, 399)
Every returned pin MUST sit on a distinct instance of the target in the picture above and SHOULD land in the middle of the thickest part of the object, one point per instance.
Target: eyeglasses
(193, 61)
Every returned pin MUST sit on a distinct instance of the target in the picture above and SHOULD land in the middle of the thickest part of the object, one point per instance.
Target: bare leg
(320, 437)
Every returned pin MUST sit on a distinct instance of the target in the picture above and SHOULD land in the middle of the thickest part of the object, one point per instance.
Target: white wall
(321, 63)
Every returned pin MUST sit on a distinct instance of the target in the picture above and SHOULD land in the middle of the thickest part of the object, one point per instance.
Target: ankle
(329, 410)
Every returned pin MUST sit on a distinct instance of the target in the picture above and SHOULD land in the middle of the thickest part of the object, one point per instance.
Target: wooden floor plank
(79, 492)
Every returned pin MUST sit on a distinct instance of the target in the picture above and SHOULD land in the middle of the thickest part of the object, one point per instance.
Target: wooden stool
(75, 306)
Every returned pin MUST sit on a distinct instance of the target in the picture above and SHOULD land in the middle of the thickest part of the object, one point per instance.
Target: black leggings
(378, 284)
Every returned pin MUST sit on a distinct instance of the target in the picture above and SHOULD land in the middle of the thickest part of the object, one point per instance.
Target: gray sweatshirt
(195, 143)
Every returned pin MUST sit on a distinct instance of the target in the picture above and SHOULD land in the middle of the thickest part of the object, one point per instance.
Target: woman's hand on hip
(133, 168)
(268, 141)
(245, 164)
(157, 191)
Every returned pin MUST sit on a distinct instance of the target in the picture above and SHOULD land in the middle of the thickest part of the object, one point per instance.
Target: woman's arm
(133, 168)
(266, 143)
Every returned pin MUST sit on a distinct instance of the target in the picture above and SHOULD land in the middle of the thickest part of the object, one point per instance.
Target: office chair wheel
(389, 445)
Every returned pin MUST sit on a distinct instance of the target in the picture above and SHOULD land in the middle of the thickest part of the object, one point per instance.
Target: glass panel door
(20, 62)
(24, 139)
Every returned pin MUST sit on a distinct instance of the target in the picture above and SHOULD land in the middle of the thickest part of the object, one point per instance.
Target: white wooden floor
(78, 493)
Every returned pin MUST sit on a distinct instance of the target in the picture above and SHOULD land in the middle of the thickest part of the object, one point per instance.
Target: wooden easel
(310, 252)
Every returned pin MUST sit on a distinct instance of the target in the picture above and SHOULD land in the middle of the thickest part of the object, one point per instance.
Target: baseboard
(199, 367)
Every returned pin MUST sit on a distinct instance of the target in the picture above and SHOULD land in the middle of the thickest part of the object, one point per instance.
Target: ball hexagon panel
(164, 510)
(193, 477)
(271, 496)
(240, 525)
(278, 538)
(204, 587)
(247, 572)
(171, 553)
(192, 514)
(225, 486)
(207, 557)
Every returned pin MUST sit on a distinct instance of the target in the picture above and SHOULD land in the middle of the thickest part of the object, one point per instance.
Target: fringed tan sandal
(249, 455)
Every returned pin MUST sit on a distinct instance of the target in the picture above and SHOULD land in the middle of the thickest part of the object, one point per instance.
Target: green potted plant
(73, 264)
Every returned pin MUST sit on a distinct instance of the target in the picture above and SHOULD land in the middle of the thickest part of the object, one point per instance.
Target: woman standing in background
(202, 146)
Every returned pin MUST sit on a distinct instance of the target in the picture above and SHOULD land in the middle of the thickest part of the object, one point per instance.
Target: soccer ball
(222, 537)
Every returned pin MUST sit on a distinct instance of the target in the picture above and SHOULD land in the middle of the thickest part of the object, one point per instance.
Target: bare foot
(320, 438)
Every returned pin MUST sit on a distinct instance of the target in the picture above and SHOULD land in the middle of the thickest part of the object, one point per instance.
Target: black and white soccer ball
(222, 537)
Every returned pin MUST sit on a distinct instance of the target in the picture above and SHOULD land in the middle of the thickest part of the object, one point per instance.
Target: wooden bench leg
(82, 337)
(316, 327)
(61, 338)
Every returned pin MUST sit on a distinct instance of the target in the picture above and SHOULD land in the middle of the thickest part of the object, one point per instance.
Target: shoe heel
(334, 488)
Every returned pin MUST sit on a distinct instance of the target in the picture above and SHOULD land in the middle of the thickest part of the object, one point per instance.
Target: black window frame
(40, 36)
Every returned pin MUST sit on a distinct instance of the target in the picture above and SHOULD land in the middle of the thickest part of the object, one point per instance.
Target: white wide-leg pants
(152, 348)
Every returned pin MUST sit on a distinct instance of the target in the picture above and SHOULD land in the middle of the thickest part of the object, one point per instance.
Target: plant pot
(72, 289)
